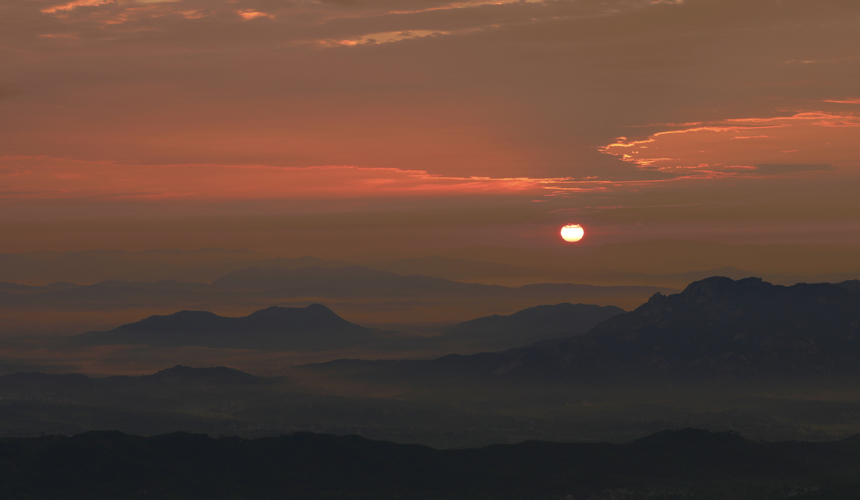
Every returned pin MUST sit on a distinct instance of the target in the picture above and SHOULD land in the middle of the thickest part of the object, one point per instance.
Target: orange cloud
(253, 14)
(377, 38)
(801, 142)
(74, 4)
(55, 178)
(844, 101)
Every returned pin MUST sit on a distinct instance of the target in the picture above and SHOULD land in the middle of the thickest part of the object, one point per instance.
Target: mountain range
(354, 280)
(277, 283)
(670, 263)
(314, 327)
(717, 328)
(318, 328)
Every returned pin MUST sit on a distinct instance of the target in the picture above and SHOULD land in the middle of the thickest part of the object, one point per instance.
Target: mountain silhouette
(31, 383)
(218, 375)
(531, 325)
(314, 327)
(265, 286)
(851, 286)
(685, 277)
(689, 464)
(717, 328)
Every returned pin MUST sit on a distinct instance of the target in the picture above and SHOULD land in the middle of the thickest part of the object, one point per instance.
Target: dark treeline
(672, 464)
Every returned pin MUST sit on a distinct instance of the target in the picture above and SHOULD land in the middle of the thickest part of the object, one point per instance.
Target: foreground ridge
(693, 463)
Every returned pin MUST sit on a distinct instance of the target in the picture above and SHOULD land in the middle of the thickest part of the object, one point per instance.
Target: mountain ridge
(688, 463)
(717, 328)
(531, 324)
(315, 327)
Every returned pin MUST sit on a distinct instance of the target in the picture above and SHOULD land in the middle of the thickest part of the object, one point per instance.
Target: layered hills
(717, 328)
(316, 327)
(272, 283)
(773, 362)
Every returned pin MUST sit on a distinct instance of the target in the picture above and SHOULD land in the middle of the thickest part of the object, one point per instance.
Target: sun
(572, 232)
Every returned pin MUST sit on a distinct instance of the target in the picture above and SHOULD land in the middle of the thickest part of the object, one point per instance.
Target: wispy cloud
(725, 148)
(377, 38)
(253, 14)
(844, 101)
(75, 4)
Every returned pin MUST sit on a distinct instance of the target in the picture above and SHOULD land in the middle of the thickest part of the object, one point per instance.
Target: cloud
(56, 178)
(249, 14)
(462, 89)
(75, 4)
(787, 168)
(844, 101)
(736, 147)
(377, 38)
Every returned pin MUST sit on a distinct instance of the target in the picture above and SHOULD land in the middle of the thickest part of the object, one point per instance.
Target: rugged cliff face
(715, 328)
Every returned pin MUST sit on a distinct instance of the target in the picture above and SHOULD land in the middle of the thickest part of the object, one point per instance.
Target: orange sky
(142, 122)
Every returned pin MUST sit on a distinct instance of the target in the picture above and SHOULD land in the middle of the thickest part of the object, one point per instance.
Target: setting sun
(572, 233)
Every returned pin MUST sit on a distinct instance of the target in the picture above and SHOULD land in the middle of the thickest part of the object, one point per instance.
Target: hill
(314, 327)
(690, 463)
(851, 285)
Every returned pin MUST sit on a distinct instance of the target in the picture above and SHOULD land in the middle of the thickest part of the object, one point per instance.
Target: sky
(335, 126)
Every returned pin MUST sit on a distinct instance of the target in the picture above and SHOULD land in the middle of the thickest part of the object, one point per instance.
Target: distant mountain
(16, 288)
(851, 286)
(716, 328)
(218, 375)
(315, 327)
(111, 293)
(530, 325)
(273, 283)
(33, 383)
(460, 269)
(29, 289)
(685, 277)
(351, 281)
(321, 281)
(93, 266)
(660, 257)
(118, 292)
(674, 279)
